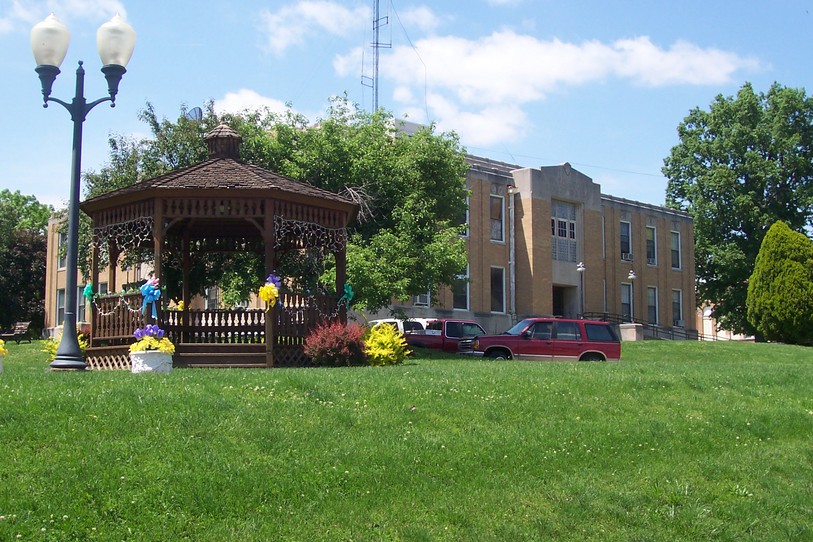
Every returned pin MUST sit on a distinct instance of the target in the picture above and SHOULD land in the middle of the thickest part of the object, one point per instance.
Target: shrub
(780, 291)
(335, 344)
(385, 345)
(50, 346)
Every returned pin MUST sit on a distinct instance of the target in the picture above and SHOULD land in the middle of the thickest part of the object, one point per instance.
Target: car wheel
(499, 354)
(592, 357)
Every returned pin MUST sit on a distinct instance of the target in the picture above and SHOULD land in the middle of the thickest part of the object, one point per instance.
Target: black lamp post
(49, 41)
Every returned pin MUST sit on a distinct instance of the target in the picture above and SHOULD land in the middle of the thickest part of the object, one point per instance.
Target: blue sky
(602, 85)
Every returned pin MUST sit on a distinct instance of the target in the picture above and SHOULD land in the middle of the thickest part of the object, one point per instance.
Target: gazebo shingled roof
(222, 171)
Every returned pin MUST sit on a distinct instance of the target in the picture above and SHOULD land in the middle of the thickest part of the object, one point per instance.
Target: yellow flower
(269, 293)
(3, 351)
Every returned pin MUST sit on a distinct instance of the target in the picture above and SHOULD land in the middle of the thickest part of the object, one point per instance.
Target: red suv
(552, 338)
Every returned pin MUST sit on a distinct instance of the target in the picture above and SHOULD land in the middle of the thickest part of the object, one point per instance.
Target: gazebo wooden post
(94, 280)
(185, 297)
(341, 279)
(270, 261)
(112, 265)
(158, 235)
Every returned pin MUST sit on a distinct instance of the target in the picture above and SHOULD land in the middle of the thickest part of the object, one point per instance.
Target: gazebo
(219, 205)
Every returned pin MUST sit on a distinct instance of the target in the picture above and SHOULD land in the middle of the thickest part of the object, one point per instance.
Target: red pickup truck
(444, 334)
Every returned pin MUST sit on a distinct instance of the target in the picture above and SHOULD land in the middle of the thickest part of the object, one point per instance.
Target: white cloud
(23, 15)
(293, 24)
(421, 18)
(349, 63)
(478, 87)
(240, 100)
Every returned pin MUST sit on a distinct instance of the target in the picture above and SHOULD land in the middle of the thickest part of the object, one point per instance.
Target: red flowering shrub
(336, 344)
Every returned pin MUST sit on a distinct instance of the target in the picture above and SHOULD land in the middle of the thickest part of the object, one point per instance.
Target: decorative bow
(88, 292)
(151, 294)
(348, 294)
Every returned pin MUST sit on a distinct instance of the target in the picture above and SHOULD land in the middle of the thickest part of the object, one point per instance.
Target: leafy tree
(739, 167)
(23, 224)
(411, 190)
(780, 292)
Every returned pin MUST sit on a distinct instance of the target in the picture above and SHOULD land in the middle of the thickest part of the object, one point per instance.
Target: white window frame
(679, 307)
(654, 259)
(491, 219)
(464, 277)
(626, 295)
(569, 242)
(626, 256)
(649, 305)
(61, 256)
(60, 306)
(672, 236)
(466, 233)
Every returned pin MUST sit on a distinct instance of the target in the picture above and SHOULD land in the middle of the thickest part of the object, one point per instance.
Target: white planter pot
(150, 361)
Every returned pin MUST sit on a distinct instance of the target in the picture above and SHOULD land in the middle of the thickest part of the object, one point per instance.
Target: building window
(465, 220)
(102, 288)
(212, 298)
(677, 308)
(651, 246)
(497, 289)
(652, 305)
(460, 291)
(626, 302)
(61, 250)
(563, 229)
(60, 306)
(80, 304)
(675, 250)
(422, 300)
(626, 241)
(497, 218)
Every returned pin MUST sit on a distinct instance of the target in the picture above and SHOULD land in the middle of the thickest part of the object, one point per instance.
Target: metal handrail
(654, 331)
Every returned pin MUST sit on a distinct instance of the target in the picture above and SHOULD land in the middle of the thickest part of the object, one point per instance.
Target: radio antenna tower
(378, 22)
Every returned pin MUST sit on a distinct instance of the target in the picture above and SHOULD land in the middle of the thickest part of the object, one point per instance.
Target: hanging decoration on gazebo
(308, 234)
(88, 292)
(269, 292)
(347, 297)
(151, 294)
(128, 235)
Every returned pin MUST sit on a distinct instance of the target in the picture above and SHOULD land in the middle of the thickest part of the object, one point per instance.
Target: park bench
(20, 332)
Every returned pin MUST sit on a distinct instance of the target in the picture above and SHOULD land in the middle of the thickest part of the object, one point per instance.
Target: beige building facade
(546, 241)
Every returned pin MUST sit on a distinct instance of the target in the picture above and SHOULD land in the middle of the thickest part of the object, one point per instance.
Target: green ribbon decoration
(348, 294)
(88, 292)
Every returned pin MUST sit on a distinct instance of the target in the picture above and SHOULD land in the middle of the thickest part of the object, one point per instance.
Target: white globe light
(49, 41)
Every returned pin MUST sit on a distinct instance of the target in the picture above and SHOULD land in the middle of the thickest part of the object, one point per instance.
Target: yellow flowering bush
(385, 345)
(151, 337)
(3, 350)
(50, 346)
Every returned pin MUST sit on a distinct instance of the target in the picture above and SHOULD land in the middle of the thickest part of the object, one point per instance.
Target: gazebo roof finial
(223, 142)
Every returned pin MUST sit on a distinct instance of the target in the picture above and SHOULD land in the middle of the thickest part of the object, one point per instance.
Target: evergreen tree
(780, 290)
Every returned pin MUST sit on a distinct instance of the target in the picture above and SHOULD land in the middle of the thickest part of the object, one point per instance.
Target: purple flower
(150, 330)
(273, 279)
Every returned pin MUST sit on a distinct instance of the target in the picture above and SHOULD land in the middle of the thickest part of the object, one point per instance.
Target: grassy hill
(679, 441)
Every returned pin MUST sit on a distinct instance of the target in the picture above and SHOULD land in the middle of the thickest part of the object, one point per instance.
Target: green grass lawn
(679, 441)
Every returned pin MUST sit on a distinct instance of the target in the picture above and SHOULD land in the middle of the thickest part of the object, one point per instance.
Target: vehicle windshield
(519, 327)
